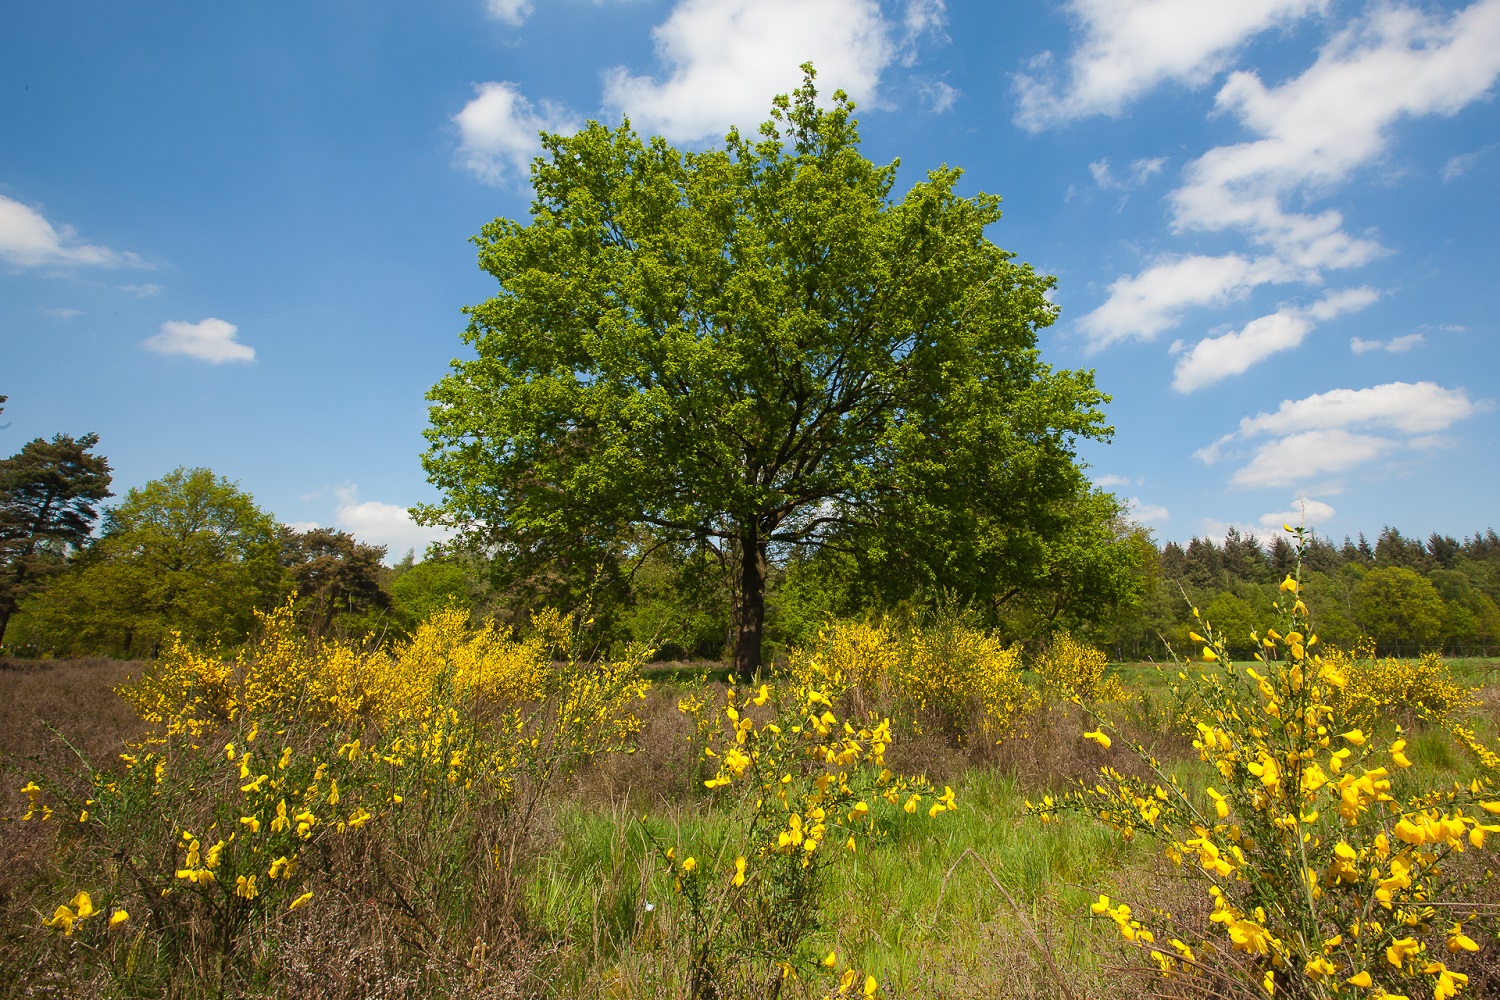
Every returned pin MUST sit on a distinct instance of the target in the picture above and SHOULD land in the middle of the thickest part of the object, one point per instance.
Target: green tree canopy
(1398, 606)
(49, 493)
(335, 575)
(189, 552)
(751, 349)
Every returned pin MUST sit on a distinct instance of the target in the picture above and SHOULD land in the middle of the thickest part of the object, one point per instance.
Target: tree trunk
(752, 616)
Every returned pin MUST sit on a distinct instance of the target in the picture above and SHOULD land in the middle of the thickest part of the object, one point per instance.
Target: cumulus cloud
(1396, 345)
(27, 239)
(212, 340)
(498, 130)
(377, 523)
(725, 59)
(1145, 304)
(1320, 126)
(1131, 46)
(1216, 358)
(1304, 512)
(1333, 432)
(1105, 482)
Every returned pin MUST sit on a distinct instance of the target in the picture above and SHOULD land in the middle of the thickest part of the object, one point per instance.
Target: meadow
(897, 810)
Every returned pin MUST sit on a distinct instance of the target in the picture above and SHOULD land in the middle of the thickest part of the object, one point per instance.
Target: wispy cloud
(1320, 126)
(27, 239)
(1333, 432)
(212, 340)
(1213, 359)
(1138, 173)
(140, 291)
(1142, 306)
(1131, 46)
(1396, 345)
(1146, 513)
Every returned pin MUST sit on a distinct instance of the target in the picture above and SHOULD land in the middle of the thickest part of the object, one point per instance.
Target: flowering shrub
(804, 790)
(259, 776)
(1072, 670)
(950, 674)
(1387, 689)
(1318, 874)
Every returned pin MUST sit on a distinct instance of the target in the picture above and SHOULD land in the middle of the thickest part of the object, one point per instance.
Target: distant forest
(1402, 594)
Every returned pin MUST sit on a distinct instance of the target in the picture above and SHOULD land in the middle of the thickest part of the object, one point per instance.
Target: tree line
(1401, 594)
(188, 553)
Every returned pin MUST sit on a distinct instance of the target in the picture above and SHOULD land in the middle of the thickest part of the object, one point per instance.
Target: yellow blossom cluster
(802, 787)
(1071, 669)
(1316, 869)
(1377, 689)
(253, 764)
(961, 677)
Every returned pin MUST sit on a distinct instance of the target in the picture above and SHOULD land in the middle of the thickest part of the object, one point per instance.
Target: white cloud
(512, 12)
(1139, 172)
(140, 291)
(1395, 345)
(498, 130)
(1105, 482)
(376, 523)
(940, 96)
(1130, 46)
(1461, 164)
(1304, 512)
(1216, 358)
(211, 340)
(1293, 458)
(1144, 305)
(27, 239)
(1146, 513)
(1332, 432)
(1335, 117)
(726, 59)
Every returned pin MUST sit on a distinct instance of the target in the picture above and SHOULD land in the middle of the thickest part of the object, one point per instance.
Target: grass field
(982, 901)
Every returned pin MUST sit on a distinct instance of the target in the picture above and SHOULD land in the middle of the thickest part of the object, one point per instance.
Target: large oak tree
(751, 348)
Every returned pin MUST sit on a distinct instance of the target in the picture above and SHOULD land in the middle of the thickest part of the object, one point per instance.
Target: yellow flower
(305, 897)
(63, 919)
(1209, 655)
(1458, 941)
(739, 871)
(1397, 755)
(1354, 736)
(831, 960)
(689, 865)
(84, 905)
(1098, 737)
(870, 986)
(229, 751)
(1360, 979)
(118, 917)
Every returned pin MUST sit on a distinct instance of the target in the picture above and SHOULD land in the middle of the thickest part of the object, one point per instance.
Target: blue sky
(235, 235)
